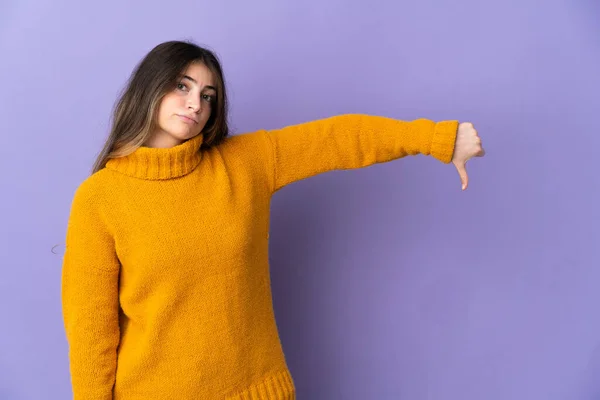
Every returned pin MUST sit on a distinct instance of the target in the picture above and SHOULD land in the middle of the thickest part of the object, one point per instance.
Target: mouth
(187, 119)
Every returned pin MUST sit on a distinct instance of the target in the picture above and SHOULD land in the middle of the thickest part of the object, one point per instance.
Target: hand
(467, 145)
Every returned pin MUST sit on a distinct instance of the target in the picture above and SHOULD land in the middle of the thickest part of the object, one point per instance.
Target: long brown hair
(134, 114)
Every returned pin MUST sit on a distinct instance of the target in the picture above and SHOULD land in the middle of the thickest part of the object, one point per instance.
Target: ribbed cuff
(444, 139)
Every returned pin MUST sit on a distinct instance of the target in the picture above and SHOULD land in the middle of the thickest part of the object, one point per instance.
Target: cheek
(207, 111)
(167, 108)
(171, 101)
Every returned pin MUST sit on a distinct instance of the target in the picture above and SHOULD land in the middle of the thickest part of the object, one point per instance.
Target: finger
(464, 178)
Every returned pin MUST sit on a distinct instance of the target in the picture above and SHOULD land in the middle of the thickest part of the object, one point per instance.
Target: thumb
(464, 178)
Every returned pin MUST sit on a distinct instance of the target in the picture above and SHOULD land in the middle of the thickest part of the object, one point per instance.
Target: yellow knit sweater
(166, 290)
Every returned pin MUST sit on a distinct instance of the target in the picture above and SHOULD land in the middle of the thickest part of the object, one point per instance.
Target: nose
(194, 104)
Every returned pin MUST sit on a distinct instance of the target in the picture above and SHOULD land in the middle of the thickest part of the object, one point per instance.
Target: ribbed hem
(444, 138)
(279, 386)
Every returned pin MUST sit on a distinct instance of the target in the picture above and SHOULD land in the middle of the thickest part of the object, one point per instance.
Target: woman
(166, 291)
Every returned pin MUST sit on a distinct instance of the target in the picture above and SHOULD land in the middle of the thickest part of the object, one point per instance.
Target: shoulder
(249, 154)
(246, 145)
(91, 191)
(246, 140)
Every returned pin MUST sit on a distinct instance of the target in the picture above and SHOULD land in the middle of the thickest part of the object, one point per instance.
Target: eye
(182, 86)
(209, 98)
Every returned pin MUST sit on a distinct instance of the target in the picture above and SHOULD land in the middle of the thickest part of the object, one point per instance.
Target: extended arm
(353, 141)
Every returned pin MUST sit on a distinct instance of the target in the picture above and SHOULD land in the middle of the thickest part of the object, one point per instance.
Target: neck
(156, 163)
(163, 141)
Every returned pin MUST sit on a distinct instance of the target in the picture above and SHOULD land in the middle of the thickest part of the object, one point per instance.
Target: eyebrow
(196, 82)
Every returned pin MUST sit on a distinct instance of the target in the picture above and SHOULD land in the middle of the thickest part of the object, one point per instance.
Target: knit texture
(165, 286)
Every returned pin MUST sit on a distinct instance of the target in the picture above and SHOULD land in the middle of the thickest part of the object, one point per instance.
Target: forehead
(200, 73)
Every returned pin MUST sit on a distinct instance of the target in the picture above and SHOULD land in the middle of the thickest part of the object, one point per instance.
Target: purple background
(389, 282)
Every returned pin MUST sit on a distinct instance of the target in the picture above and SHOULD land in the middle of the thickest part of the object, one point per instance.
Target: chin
(190, 136)
(184, 135)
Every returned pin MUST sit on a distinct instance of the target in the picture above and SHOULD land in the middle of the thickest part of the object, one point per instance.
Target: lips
(188, 119)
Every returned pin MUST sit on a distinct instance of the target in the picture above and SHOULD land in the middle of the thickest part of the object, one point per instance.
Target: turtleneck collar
(160, 163)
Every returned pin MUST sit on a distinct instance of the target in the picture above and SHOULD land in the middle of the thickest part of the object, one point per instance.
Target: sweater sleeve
(90, 299)
(353, 141)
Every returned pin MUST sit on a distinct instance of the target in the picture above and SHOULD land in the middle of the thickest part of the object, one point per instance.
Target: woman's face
(183, 112)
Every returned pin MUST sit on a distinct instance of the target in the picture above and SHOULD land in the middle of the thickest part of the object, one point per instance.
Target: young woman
(166, 291)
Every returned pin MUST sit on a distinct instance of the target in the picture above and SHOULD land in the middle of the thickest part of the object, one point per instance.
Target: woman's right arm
(90, 298)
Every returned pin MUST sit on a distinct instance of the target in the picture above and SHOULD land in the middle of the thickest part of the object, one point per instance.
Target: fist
(467, 145)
